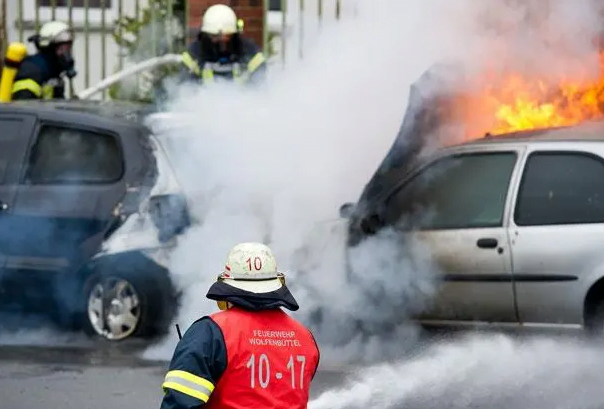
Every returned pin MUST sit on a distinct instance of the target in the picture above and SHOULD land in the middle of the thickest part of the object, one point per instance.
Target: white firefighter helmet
(252, 267)
(219, 19)
(54, 32)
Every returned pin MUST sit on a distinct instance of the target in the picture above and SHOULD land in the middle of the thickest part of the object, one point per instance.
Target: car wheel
(114, 308)
(123, 299)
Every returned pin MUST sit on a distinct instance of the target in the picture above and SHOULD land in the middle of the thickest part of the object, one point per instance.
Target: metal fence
(112, 33)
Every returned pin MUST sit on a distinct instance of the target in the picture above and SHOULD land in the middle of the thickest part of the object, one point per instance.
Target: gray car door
(557, 231)
(72, 183)
(456, 206)
(15, 132)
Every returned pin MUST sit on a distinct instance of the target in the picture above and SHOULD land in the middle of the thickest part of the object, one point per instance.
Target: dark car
(84, 227)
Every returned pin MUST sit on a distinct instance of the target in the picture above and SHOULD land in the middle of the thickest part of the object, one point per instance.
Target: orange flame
(517, 103)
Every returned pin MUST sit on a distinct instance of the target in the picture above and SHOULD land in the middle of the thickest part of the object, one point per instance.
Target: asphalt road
(474, 371)
(94, 376)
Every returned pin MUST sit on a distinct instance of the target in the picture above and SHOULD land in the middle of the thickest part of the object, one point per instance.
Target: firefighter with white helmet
(221, 50)
(40, 76)
(251, 354)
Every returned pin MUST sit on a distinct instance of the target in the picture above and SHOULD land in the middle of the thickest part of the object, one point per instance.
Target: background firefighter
(221, 50)
(251, 354)
(40, 76)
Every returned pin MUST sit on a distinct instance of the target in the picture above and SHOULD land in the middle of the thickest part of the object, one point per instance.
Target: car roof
(122, 111)
(589, 131)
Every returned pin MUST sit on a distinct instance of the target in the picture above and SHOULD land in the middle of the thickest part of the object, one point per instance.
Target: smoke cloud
(274, 165)
(481, 372)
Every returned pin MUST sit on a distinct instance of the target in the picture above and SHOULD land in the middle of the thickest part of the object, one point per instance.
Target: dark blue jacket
(35, 73)
(245, 52)
(202, 350)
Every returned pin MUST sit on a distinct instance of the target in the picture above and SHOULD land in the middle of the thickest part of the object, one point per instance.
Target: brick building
(251, 11)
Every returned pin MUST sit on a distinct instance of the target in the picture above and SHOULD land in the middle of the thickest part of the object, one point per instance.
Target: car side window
(459, 191)
(10, 129)
(65, 155)
(561, 188)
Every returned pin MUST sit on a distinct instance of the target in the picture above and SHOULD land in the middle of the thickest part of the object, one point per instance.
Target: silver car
(516, 223)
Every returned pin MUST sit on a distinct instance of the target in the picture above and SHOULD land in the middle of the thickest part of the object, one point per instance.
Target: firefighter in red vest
(251, 354)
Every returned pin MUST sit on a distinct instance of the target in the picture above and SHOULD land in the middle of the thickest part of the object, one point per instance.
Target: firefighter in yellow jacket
(221, 50)
(40, 76)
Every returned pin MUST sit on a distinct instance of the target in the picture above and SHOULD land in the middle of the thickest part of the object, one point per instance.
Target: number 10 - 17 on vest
(264, 370)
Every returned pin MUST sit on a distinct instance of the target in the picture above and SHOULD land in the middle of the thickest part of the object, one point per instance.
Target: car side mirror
(346, 210)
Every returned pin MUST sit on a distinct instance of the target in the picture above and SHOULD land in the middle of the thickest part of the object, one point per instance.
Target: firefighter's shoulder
(201, 334)
(197, 365)
(33, 68)
(194, 49)
(249, 46)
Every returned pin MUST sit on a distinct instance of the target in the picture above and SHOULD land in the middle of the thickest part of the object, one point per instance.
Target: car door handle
(487, 243)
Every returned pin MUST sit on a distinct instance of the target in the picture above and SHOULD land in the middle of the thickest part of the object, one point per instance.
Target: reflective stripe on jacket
(207, 72)
(189, 384)
(36, 80)
(44, 92)
(198, 363)
(272, 359)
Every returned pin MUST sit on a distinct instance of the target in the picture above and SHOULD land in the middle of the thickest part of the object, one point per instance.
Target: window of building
(561, 188)
(97, 4)
(274, 5)
(461, 191)
(71, 156)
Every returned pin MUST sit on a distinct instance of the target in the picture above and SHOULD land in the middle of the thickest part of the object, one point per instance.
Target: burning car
(506, 188)
(90, 207)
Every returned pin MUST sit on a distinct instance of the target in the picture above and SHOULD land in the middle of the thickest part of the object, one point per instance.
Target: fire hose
(149, 64)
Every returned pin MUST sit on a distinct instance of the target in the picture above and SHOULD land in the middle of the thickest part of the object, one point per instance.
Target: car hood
(432, 102)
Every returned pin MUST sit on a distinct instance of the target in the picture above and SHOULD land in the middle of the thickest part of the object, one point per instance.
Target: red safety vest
(271, 360)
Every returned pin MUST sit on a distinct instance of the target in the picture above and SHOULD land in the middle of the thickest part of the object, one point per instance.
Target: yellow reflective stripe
(240, 79)
(190, 63)
(207, 74)
(236, 71)
(48, 92)
(179, 387)
(27, 85)
(255, 62)
(189, 384)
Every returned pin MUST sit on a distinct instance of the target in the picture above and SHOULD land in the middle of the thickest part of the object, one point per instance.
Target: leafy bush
(150, 34)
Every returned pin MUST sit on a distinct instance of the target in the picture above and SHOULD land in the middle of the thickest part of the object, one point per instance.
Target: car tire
(125, 296)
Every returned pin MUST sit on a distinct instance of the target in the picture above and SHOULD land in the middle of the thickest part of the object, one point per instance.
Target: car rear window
(561, 188)
(64, 155)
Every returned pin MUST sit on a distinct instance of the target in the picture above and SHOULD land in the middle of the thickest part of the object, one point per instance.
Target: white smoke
(479, 372)
(275, 165)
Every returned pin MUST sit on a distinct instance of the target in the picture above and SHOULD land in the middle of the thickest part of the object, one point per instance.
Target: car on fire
(514, 222)
(89, 209)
